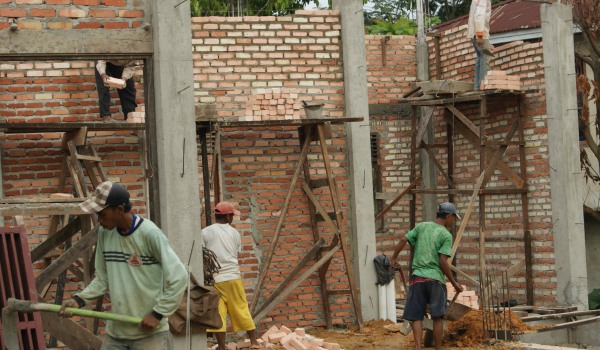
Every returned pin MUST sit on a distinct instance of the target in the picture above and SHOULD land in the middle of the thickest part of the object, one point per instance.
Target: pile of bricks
(273, 104)
(499, 80)
(467, 297)
(283, 336)
(139, 116)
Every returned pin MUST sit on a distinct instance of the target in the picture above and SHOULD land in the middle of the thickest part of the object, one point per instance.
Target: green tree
(245, 7)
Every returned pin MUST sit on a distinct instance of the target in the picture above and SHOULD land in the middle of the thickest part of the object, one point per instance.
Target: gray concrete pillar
(561, 107)
(356, 99)
(175, 143)
(428, 170)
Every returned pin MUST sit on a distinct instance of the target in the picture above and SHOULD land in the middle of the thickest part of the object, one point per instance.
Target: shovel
(455, 311)
(13, 306)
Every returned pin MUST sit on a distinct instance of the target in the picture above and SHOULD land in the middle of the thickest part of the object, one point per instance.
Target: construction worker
(478, 31)
(121, 69)
(138, 267)
(225, 242)
(430, 246)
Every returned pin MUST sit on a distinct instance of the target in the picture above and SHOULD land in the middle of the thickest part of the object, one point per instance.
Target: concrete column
(359, 157)
(567, 202)
(427, 164)
(175, 143)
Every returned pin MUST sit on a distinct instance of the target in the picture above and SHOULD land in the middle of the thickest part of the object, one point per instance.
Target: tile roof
(506, 16)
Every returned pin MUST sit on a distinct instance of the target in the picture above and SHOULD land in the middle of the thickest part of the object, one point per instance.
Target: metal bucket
(312, 109)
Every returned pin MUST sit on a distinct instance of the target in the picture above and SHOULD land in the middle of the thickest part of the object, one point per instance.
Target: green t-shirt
(429, 240)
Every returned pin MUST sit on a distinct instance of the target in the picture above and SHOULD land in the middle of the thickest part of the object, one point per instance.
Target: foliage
(586, 14)
(403, 26)
(245, 7)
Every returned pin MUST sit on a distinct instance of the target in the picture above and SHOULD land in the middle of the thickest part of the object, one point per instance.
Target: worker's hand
(67, 303)
(457, 287)
(149, 322)
(479, 40)
(394, 262)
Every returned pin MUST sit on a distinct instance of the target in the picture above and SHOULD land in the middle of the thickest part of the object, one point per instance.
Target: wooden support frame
(309, 131)
(490, 159)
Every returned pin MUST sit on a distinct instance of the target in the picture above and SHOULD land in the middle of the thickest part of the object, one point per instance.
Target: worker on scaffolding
(225, 242)
(138, 267)
(430, 246)
(479, 32)
(121, 69)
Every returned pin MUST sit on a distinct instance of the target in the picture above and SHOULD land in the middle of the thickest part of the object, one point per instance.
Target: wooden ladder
(321, 251)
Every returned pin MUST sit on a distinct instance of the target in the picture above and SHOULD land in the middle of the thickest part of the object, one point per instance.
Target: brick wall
(73, 14)
(240, 65)
(503, 213)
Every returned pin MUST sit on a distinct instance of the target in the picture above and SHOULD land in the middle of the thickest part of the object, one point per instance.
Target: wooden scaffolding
(322, 252)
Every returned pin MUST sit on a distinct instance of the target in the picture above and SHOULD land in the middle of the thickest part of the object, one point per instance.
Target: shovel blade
(9, 329)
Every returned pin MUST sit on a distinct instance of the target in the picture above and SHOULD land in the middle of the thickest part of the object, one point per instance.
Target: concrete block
(275, 338)
(297, 344)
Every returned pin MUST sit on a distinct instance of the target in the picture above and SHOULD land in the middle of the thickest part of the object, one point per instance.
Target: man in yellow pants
(225, 242)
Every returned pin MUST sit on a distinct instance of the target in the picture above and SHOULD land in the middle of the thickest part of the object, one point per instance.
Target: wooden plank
(463, 119)
(335, 199)
(75, 43)
(312, 253)
(40, 209)
(35, 128)
(465, 217)
(482, 191)
(438, 165)
(68, 231)
(62, 263)
(560, 315)
(295, 122)
(69, 332)
(99, 166)
(286, 292)
(567, 325)
(34, 200)
(320, 208)
(445, 86)
(286, 204)
(499, 153)
(398, 197)
(322, 273)
(423, 127)
(89, 158)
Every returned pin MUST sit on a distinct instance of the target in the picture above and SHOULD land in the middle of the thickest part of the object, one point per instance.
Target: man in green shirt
(138, 267)
(430, 246)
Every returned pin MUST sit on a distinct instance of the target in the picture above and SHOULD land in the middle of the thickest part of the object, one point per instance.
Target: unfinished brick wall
(72, 14)
(524, 60)
(240, 64)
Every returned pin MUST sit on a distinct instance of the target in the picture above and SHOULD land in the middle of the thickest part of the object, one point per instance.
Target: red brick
(71, 13)
(60, 25)
(88, 25)
(86, 2)
(102, 13)
(116, 3)
(58, 2)
(116, 25)
(131, 14)
(42, 13)
(13, 13)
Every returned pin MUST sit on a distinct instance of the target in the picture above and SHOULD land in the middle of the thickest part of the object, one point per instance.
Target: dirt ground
(375, 335)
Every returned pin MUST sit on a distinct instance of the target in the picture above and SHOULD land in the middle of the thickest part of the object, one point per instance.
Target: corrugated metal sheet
(506, 16)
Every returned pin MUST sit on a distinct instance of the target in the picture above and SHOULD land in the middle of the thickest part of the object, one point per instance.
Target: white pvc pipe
(390, 289)
(381, 290)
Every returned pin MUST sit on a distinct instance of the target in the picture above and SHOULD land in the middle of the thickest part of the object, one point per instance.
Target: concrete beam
(173, 123)
(563, 145)
(356, 98)
(75, 43)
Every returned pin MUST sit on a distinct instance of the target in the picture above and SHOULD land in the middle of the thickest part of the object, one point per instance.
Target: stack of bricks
(283, 336)
(139, 116)
(499, 80)
(272, 104)
(467, 297)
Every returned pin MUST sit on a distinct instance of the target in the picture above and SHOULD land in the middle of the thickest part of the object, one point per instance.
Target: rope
(211, 266)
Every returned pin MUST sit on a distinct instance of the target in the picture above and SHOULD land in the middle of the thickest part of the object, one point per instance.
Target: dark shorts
(420, 294)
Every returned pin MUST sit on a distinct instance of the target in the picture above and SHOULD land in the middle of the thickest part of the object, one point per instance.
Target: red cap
(226, 208)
